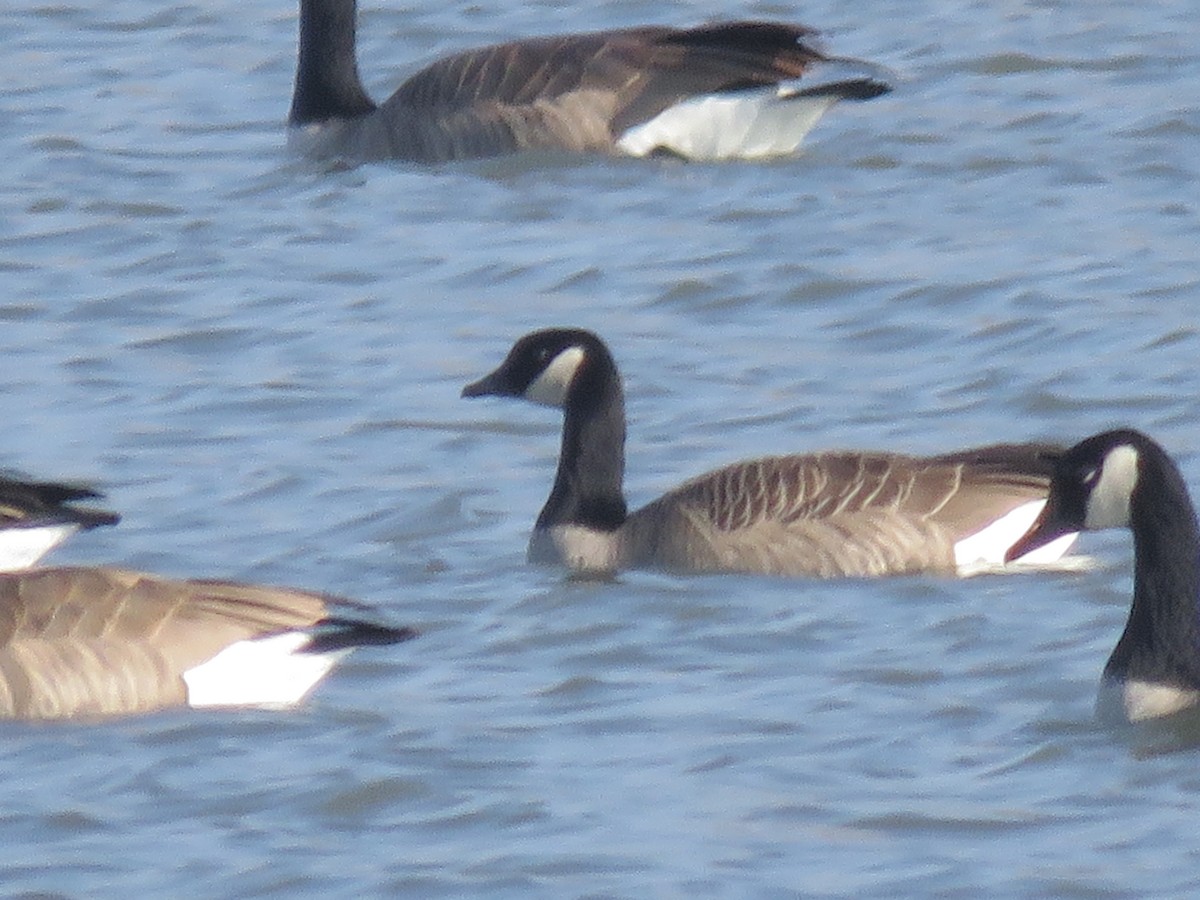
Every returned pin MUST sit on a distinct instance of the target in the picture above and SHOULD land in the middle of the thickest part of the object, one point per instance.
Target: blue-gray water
(260, 360)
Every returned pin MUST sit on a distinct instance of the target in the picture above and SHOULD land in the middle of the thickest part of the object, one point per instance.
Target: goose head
(1093, 487)
(551, 367)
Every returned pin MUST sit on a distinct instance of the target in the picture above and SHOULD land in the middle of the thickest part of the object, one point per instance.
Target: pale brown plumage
(581, 92)
(89, 642)
(834, 513)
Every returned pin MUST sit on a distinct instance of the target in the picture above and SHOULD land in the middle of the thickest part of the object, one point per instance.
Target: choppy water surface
(260, 359)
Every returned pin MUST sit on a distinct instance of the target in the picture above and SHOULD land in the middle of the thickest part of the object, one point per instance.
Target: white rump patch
(1108, 504)
(1120, 701)
(750, 124)
(271, 671)
(985, 549)
(550, 388)
(22, 547)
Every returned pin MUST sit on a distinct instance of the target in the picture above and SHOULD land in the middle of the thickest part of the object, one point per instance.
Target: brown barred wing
(81, 642)
(581, 92)
(833, 514)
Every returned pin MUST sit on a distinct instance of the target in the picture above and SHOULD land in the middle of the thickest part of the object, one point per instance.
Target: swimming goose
(36, 516)
(824, 514)
(719, 91)
(95, 642)
(1123, 479)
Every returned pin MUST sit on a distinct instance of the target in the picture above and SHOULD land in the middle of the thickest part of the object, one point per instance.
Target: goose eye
(1089, 477)
(542, 356)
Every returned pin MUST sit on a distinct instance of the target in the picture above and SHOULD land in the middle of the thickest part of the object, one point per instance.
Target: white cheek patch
(550, 388)
(1108, 505)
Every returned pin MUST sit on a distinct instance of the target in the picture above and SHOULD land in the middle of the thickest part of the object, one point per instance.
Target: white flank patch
(22, 547)
(1108, 504)
(985, 549)
(550, 388)
(745, 125)
(1120, 701)
(265, 672)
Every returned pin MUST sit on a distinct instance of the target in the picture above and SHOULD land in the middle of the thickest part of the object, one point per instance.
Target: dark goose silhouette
(720, 91)
(1123, 479)
(37, 516)
(844, 513)
(85, 643)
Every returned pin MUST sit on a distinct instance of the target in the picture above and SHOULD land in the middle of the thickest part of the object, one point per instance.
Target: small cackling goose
(719, 91)
(37, 516)
(1123, 479)
(825, 514)
(94, 642)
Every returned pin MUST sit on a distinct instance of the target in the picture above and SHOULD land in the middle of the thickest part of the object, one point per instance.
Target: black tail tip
(97, 518)
(848, 89)
(341, 634)
(867, 89)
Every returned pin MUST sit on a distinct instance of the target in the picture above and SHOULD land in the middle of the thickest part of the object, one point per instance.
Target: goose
(37, 516)
(822, 514)
(718, 91)
(1123, 479)
(95, 642)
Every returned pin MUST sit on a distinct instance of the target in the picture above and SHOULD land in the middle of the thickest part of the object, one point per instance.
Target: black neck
(327, 82)
(591, 464)
(1161, 641)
